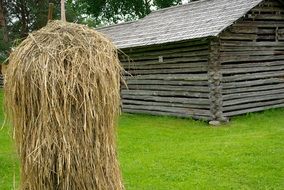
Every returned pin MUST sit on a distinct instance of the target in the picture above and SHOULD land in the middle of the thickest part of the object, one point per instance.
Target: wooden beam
(215, 78)
(63, 14)
(50, 11)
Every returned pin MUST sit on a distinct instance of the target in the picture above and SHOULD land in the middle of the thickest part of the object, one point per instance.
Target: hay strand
(62, 94)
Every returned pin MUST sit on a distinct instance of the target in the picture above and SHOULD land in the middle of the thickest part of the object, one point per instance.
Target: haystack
(62, 94)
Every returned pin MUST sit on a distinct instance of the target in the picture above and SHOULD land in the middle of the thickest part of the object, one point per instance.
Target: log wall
(167, 80)
(252, 61)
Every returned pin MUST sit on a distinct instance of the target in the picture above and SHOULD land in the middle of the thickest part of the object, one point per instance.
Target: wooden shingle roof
(199, 19)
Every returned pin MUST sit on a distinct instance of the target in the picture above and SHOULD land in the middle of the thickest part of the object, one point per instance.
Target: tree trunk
(3, 22)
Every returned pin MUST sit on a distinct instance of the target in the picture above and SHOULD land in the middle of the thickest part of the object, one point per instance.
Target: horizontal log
(236, 36)
(162, 51)
(168, 71)
(266, 31)
(165, 82)
(185, 77)
(253, 99)
(187, 111)
(268, 17)
(248, 49)
(194, 65)
(268, 9)
(239, 112)
(194, 101)
(167, 88)
(243, 84)
(167, 104)
(165, 93)
(280, 37)
(165, 56)
(187, 43)
(252, 94)
(254, 64)
(265, 37)
(280, 31)
(261, 23)
(254, 69)
(167, 61)
(253, 89)
(242, 30)
(243, 58)
(248, 53)
(260, 75)
(252, 105)
(251, 44)
(183, 115)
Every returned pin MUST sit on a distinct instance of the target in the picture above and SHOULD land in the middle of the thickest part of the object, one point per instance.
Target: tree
(3, 26)
(25, 16)
(113, 11)
(166, 3)
(19, 12)
(4, 40)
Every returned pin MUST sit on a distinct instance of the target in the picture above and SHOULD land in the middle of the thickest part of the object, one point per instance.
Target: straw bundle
(62, 94)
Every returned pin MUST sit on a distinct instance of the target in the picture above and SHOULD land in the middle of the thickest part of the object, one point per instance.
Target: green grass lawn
(163, 153)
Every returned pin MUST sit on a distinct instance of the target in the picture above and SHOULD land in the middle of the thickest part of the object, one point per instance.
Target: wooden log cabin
(210, 59)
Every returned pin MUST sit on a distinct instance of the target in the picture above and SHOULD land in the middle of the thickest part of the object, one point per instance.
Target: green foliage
(166, 3)
(38, 14)
(169, 153)
(114, 11)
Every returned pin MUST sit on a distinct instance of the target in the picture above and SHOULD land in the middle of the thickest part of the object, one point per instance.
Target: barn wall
(167, 80)
(252, 61)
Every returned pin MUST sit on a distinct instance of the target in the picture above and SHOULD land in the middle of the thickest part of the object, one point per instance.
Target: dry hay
(62, 94)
